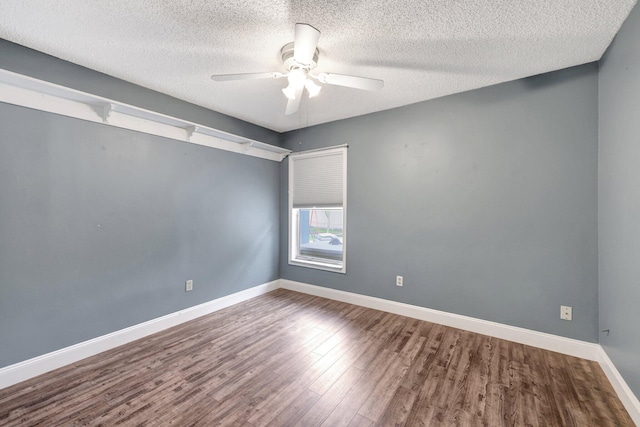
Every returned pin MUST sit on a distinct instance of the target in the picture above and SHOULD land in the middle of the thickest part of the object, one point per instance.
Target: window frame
(294, 255)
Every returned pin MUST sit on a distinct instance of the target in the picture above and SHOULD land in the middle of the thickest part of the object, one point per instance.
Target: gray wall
(486, 203)
(101, 226)
(619, 200)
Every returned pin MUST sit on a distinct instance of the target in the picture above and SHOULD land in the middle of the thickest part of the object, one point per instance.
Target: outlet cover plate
(188, 285)
(566, 312)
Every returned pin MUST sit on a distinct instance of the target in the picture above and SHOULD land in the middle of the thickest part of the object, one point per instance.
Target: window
(318, 209)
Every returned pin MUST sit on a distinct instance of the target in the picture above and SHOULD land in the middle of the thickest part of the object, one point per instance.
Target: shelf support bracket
(103, 110)
(246, 146)
(190, 130)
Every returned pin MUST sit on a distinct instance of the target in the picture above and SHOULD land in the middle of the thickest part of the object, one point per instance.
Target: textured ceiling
(421, 49)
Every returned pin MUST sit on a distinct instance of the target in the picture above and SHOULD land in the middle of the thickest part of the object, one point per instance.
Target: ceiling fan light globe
(297, 78)
(312, 88)
(289, 92)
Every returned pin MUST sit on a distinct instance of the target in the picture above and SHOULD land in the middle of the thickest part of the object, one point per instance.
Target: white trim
(293, 254)
(318, 265)
(294, 154)
(626, 396)
(28, 92)
(571, 347)
(22, 371)
(542, 340)
(30, 368)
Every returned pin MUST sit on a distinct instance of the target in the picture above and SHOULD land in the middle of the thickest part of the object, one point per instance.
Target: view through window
(321, 233)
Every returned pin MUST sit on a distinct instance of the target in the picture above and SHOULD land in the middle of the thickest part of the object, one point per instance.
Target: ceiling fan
(299, 58)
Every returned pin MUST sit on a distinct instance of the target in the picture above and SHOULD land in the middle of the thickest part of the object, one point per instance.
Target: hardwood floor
(290, 359)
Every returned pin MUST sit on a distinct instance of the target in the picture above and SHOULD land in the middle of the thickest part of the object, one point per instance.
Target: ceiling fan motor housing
(290, 63)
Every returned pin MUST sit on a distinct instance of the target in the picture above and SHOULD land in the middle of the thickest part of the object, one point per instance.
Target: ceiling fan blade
(304, 46)
(246, 76)
(293, 104)
(364, 83)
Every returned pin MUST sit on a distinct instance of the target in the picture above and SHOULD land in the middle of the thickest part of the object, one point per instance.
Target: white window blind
(318, 178)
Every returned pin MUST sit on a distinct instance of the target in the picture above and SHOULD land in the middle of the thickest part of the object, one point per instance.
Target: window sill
(317, 265)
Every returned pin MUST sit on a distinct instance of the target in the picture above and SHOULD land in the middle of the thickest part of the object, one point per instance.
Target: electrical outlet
(188, 285)
(399, 280)
(566, 312)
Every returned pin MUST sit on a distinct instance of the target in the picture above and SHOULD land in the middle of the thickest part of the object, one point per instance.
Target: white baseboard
(571, 347)
(542, 340)
(30, 368)
(22, 371)
(628, 399)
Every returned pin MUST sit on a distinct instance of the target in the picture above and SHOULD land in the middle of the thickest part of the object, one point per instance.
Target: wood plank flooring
(290, 359)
